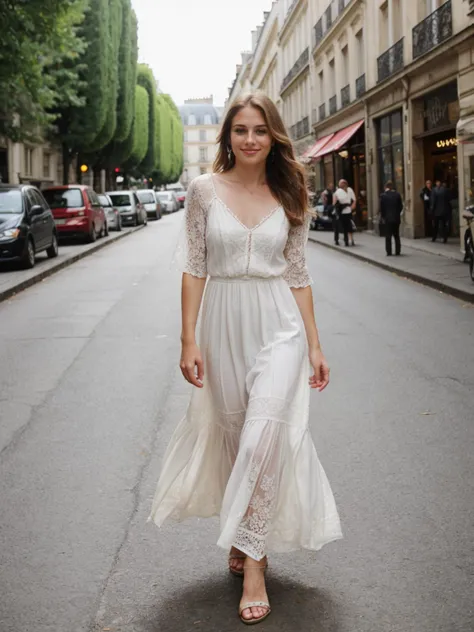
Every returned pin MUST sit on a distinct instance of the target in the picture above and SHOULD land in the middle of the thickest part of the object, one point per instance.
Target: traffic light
(117, 169)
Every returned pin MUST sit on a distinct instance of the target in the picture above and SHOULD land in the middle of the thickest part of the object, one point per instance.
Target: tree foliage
(146, 79)
(140, 128)
(127, 64)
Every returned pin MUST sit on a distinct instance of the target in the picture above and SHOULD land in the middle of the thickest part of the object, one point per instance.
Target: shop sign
(441, 107)
(446, 142)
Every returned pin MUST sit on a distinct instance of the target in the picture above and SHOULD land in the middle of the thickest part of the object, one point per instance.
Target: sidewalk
(14, 279)
(437, 265)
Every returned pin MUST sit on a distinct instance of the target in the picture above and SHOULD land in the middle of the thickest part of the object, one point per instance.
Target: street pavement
(90, 394)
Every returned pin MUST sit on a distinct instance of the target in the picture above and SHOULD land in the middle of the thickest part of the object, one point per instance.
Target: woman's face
(250, 137)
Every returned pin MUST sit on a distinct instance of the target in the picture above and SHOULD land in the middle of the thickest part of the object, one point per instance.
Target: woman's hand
(191, 360)
(320, 378)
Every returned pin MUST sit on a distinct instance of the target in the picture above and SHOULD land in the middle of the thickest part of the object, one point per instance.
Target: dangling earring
(229, 153)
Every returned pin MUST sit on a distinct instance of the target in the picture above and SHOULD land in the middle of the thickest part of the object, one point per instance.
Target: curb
(43, 274)
(413, 276)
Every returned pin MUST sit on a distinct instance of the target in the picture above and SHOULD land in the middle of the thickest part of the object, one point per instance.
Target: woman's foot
(254, 591)
(236, 561)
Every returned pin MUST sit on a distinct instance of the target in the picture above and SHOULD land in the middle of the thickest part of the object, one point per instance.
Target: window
(384, 36)
(202, 154)
(46, 165)
(191, 119)
(322, 98)
(28, 161)
(93, 197)
(64, 198)
(390, 150)
(332, 78)
(345, 65)
(207, 119)
(202, 135)
(360, 53)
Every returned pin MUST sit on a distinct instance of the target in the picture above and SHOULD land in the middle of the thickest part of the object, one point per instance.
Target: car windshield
(104, 200)
(63, 198)
(164, 196)
(10, 201)
(121, 199)
(146, 197)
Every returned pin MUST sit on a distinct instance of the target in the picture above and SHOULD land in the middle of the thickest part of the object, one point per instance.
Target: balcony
(322, 112)
(301, 62)
(330, 16)
(345, 96)
(390, 62)
(360, 86)
(318, 32)
(333, 105)
(434, 29)
(300, 129)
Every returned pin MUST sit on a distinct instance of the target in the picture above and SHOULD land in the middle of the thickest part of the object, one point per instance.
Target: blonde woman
(244, 451)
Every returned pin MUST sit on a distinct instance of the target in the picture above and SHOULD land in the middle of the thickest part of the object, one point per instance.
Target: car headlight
(10, 233)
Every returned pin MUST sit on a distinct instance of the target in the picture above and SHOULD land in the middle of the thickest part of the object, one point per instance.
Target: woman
(345, 202)
(244, 451)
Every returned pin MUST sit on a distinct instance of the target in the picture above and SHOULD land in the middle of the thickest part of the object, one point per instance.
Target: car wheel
(92, 235)
(53, 250)
(28, 257)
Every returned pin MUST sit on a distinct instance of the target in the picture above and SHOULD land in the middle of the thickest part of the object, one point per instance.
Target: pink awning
(318, 145)
(339, 139)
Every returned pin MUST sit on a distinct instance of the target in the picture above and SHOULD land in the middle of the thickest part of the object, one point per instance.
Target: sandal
(255, 604)
(236, 571)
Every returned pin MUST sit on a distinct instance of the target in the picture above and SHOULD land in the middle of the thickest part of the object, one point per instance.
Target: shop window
(390, 150)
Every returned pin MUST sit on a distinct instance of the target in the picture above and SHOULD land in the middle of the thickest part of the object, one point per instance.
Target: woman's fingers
(200, 369)
(189, 372)
(324, 372)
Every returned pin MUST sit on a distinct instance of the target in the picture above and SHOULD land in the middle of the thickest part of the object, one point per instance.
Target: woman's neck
(250, 176)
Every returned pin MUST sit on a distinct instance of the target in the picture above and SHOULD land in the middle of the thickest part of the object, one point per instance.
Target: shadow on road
(212, 605)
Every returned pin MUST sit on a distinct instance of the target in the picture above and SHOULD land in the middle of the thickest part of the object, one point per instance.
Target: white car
(112, 214)
(152, 206)
(168, 201)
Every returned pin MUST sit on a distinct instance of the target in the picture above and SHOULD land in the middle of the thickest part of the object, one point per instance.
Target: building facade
(377, 90)
(201, 119)
(40, 165)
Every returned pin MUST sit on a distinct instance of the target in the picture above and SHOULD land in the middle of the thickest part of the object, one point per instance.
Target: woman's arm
(192, 289)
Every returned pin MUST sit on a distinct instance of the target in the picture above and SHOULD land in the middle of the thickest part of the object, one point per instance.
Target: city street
(90, 394)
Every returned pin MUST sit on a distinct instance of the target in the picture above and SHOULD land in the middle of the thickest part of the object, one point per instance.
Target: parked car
(321, 220)
(168, 201)
(132, 211)
(26, 225)
(77, 211)
(112, 213)
(151, 203)
(181, 197)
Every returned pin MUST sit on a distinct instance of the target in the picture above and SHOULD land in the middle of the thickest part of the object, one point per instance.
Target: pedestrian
(391, 207)
(243, 450)
(344, 200)
(441, 210)
(425, 196)
(330, 211)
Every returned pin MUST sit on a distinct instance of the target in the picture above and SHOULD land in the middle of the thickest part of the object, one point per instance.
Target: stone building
(201, 120)
(27, 163)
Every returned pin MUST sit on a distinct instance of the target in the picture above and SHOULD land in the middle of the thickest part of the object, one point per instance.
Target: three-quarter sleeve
(195, 223)
(296, 273)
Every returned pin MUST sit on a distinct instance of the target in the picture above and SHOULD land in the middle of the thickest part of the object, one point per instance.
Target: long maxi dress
(244, 450)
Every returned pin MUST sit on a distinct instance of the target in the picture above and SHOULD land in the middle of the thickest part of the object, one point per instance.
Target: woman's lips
(250, 152)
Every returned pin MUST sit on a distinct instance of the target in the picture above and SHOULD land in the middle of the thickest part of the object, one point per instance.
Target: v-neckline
(236, 217)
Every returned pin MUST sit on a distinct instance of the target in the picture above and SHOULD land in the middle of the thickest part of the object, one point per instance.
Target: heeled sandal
(236, 571)
(255, 604)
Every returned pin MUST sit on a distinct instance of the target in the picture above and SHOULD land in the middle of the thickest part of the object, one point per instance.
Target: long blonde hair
(285, 175)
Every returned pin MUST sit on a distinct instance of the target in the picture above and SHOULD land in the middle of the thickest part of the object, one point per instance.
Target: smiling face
(250, 137)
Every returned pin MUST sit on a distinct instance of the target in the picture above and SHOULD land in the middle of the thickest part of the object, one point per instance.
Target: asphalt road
(89, 396)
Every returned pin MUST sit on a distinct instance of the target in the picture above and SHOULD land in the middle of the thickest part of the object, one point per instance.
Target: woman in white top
(345, 203)
(244, 451)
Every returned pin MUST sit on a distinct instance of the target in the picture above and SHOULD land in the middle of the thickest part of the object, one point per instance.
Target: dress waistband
(244, 279)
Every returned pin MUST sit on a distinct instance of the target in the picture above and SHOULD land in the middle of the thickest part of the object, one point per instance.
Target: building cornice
(303, 63)
(293, 12)
(348, 17)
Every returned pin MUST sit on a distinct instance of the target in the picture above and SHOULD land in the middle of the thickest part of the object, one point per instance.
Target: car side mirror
(36, 209)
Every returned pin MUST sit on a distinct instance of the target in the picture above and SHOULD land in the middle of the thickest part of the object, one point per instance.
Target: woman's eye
(239, 131)
(262, 132)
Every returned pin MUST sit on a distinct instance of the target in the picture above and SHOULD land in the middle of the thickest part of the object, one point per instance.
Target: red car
(77, 211)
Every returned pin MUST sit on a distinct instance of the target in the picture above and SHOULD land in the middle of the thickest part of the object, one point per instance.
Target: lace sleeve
(195, 228)
(296, 274)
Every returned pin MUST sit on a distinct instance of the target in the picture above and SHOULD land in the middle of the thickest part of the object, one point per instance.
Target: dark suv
(26, 225)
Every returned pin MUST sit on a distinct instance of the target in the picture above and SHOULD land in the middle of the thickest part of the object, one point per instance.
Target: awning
(313, 150)
(339, 139)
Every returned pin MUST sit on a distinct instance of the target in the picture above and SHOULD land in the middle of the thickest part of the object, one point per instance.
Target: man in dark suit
(391, 207)
(441, 210)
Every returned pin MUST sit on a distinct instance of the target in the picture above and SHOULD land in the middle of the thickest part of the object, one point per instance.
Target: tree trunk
(66, 163)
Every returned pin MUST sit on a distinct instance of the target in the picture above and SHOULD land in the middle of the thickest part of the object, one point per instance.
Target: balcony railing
(390, 62)
(300, 129)
(360, 86)
(314, 116)
(333, 105)
(301, 62)
(322, 111)
(345, 96)
(434, 29)
(331, 14)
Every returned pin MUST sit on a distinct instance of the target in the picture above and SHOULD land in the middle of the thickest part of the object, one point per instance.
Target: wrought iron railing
(301, 62)
(322, 111)
(390, 62)
(300, 129)
(318, 32)
(434, 29)
(345, 96)
(306, 125)
(333, 105)
(360, 86)
(330, 16)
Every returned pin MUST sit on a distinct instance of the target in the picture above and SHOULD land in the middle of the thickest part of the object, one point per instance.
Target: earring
(229, 153)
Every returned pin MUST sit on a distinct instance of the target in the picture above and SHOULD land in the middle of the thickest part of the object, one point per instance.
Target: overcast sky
(193, 46)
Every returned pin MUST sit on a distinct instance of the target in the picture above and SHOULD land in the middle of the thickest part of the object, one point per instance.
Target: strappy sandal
(255, 604)
(235, 571)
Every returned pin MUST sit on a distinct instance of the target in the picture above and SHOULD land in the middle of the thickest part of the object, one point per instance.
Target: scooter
(468, 215)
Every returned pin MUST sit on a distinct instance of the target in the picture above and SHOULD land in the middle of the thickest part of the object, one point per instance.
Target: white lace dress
(244, 451)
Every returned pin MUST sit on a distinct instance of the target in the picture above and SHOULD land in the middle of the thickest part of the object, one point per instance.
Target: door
(38, 223)
(97, 210)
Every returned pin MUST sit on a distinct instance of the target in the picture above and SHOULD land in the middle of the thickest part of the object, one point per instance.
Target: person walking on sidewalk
(441, 210)
(243, 450)
(330, 211)
(344, 201)
(391, 207)
(425, 197)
